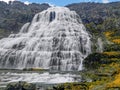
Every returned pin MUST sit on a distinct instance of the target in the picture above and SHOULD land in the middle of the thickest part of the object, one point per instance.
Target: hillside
(97, 17)
(15, 14)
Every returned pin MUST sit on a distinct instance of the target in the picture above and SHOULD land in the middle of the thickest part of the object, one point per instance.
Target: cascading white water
(100, 45)
(55, 39)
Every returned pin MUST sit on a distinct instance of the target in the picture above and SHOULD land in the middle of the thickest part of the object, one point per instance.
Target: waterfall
(56, 39)
(100, 45)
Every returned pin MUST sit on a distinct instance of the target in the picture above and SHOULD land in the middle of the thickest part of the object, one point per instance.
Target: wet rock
(34, 69)
(21, 86)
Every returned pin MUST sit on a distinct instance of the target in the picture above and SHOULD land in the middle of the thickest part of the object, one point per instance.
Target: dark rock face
(21, 86)
(94, 61)
(15, 14)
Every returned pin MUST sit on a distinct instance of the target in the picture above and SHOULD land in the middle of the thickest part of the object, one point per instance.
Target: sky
(61, 2)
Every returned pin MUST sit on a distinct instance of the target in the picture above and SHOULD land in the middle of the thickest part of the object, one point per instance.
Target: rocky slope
(15, 14)
(97, 17)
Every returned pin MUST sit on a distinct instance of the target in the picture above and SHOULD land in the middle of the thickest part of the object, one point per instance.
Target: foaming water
(56, 39)
(41, 78)
(100, 45)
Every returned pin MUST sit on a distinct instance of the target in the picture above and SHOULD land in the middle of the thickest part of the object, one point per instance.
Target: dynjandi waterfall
(56, 39)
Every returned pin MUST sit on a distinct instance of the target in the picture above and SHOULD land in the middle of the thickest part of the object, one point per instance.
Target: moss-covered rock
(71, 86)
(21, 86)
(93, 61)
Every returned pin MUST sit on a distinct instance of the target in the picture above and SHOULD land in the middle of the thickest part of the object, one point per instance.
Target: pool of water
(8, 76)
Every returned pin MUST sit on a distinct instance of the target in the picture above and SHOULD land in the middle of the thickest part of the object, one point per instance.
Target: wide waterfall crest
(56, 39)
